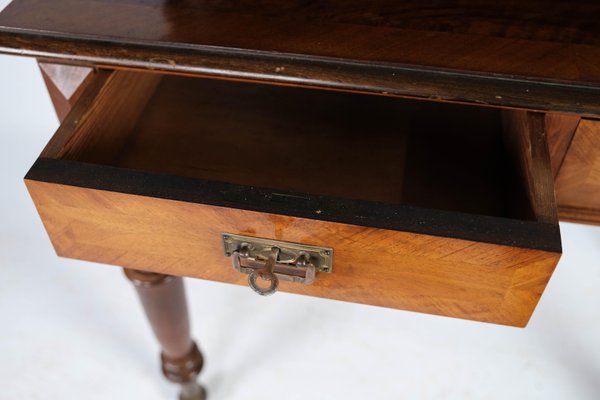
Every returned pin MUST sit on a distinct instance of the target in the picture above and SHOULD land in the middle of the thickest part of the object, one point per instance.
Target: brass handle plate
(274, 260)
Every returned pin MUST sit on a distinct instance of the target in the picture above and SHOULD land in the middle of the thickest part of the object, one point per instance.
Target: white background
(72, 330)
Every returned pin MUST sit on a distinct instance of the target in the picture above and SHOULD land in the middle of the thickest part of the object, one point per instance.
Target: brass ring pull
(273, 261)
(265, 273)
(268, 277)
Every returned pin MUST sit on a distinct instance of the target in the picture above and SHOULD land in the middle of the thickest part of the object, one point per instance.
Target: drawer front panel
(417, 272)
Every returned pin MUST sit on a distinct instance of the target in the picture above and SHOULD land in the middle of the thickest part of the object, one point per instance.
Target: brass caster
(192, 391)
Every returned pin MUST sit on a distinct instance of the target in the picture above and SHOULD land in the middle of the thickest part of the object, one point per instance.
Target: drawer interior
(423, 154)
(300, 142)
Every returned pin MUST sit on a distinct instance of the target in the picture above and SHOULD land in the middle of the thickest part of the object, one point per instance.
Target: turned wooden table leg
(163, 299)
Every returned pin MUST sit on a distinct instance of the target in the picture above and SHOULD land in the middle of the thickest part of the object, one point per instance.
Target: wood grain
(333, 144)
(106, 113)
(65, 84)
(475, 52)
(436, 275)
(578, 182)
(560, 129)
(300, 140)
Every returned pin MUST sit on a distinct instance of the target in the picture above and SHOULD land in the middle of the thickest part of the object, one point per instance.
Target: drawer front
(437, 275)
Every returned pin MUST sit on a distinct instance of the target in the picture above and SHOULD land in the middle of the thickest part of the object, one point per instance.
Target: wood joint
(146, 279)
(183, 369)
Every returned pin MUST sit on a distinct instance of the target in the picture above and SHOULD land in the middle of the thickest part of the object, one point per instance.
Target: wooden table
(410, 156)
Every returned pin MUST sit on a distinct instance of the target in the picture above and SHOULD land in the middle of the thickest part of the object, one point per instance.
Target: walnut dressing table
(392, 153)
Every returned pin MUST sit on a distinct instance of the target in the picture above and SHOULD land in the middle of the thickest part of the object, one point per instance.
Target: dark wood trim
(502, 231)
(418, 82)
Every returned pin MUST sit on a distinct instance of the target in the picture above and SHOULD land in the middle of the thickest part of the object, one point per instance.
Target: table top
(537, 54)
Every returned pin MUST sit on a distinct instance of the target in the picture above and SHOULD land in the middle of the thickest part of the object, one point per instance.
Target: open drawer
(431, 207)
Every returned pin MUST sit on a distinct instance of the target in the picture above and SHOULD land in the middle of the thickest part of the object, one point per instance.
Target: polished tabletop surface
(538, 54)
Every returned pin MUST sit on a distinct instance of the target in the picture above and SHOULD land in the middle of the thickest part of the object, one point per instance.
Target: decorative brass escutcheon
(274, 260)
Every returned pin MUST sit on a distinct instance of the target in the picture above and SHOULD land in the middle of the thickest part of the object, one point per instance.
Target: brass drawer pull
(265, 273)
(272, 260)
